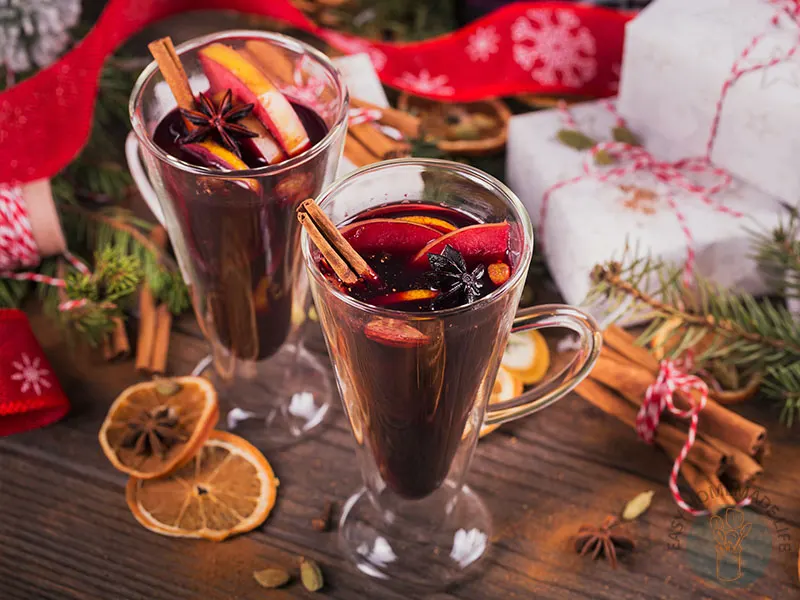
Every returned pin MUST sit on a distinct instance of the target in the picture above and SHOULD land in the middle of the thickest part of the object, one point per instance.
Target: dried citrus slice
(156, 426)
(227, 488)
(527, 356)
(506, 387)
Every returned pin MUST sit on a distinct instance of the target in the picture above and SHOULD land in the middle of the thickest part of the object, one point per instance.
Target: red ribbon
(45, 120)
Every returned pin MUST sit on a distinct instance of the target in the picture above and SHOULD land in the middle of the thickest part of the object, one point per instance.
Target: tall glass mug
(415, 385)
(237, 239)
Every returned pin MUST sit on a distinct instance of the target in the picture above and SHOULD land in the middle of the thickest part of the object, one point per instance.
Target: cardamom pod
(622, 134)
(272, 578)
(311, 575)
(575, 139)
(168, 387)
(638, 505)
(603, 158)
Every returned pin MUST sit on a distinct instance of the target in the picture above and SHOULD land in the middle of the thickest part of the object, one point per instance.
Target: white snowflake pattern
(353, 45)
(554, 47)
(33, 33)
(30, 373)
(483, 44)
(424, 83)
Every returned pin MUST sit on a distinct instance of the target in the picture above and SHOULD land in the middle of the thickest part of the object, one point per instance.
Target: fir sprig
(778, 254)
(756, 336)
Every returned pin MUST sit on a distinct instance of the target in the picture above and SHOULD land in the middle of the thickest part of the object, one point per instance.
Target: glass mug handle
(542, 396)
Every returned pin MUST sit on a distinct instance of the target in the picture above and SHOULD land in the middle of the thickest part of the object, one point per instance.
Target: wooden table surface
(66, 532)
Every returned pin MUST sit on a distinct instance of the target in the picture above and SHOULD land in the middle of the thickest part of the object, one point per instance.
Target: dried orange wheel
(227, 488)
(506, 387)
(527, 356)
(156, 426)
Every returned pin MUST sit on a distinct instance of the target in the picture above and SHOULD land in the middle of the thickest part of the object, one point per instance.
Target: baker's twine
(673, 377)
(18, 247)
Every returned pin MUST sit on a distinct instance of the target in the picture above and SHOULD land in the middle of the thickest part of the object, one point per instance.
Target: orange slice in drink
(527, 356)
(436, 223)
(156, 426)
(226, 489)
(506, 387)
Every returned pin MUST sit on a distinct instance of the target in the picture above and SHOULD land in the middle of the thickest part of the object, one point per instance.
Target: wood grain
(65, 531)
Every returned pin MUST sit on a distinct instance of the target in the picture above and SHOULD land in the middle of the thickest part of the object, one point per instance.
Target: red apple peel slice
(388, 235)
(395, 333)
(484, 243)
(228, 69)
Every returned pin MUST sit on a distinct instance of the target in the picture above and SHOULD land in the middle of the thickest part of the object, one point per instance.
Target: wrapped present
(585, 213)
(718, 79)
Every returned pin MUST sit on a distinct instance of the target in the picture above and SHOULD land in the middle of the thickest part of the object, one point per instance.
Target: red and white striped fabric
(673, 377)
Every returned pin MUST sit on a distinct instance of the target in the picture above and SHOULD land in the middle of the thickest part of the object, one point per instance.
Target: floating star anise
(452, 277)
(154, 432)
(602, 541)
(220, 119)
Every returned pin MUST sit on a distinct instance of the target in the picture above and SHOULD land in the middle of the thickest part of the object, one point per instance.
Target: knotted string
(18, 247)
(673, 377)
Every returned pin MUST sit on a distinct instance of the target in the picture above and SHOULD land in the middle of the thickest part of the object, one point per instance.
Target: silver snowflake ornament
(34, 33)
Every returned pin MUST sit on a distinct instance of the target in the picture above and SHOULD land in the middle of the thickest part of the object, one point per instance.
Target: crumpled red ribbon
(30, 395)
(543, 47)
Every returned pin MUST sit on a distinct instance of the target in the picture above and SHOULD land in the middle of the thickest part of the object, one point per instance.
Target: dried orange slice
(506, 387)
(156, 426)
(227, 488)
(527, 356)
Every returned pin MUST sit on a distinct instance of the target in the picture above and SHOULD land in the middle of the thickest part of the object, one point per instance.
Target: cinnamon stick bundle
(116, 344)
(155, 323)
(404, 122)
(357, 153)
(377, 142)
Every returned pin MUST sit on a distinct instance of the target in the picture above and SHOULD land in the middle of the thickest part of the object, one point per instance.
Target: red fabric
(30, 395)
(542, 47)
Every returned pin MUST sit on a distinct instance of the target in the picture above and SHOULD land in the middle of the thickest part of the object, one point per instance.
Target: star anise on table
(154, 432)
(218, 119)
(603, 541)
(451, 276)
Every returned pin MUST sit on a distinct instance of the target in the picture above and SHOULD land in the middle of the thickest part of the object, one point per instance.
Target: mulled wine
(241, 234)
(415, 381)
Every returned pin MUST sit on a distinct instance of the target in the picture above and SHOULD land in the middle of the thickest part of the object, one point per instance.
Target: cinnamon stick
(377, 142)
(357, 153)
(171, 68)
(116, 344)
(337, 263)
(158, 361)
(405, 123)
(274, 63)
(624, 343)
(671, 439)
(742, 468)
(147, 329)
(709, 489)
(335, 239)
(632, 381)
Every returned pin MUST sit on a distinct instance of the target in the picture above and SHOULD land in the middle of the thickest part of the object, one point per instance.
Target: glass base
(423, 545)
(275, 402)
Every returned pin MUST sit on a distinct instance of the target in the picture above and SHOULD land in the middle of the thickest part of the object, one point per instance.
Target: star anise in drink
(603, 541)
(451, 276)
(154, 432)
(220, 119)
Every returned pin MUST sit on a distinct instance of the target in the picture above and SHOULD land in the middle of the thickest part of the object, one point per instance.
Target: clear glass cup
(237, 240)
(415, 386)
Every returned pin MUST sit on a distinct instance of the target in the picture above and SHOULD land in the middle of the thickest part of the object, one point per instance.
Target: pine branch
(778, 254)
(727, 332)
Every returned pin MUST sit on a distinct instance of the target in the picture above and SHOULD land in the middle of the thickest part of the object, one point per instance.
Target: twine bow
(673, 377)
(18, 247)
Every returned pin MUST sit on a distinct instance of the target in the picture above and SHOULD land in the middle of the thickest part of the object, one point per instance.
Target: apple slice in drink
(211, 154)
(262, 146)
(388, 235)
(484, 243)
(228, 69)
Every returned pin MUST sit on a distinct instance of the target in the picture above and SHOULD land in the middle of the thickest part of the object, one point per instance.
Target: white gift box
(678, 56)
(589, 221)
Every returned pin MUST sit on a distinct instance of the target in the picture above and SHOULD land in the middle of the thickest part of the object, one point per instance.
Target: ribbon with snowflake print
(543, 47)
(30, 395)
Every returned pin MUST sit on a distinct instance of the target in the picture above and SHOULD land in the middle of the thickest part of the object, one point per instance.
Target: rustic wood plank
(65, 519)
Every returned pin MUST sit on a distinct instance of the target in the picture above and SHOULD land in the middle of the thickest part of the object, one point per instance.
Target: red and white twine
(18, 247)
(672, 378)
